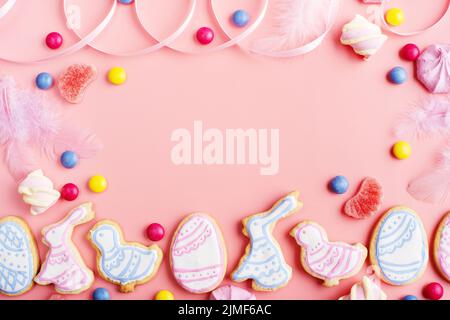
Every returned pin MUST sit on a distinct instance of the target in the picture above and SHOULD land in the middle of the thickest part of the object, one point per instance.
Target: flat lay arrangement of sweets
(93, 205)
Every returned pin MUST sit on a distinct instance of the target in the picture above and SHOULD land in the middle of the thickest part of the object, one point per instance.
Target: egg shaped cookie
(399, 246)
(198, 255)
(19, 258)
(442, 247)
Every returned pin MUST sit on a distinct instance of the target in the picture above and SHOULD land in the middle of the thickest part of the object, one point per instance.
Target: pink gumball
(155, 232)
(410, 52)
(54, 40)
(205, 35)
(433, 291)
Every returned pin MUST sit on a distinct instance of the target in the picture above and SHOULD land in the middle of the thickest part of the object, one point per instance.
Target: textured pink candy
(73, 82)
(231, 293)
(433, 68)
(367, 201)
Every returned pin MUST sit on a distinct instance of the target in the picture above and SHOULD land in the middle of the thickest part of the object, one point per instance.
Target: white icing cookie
(367, 289)
(19, 258)
(263, 261)
(442, 247)
(63, 266)
(329, 261)
(123, 263)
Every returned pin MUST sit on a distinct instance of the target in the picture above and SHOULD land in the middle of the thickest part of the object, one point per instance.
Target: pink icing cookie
(73, 82)
(433, 68)
(329, 261)
(198, 255)
(230, 292)
(442, 247)
(63, 266)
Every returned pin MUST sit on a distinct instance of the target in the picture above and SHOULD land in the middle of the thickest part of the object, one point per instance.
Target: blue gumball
(410, 297)
(44, 81)
(240, 18)
(69, 159)
(339, 184)
(101, 294)
(126, 1)
(397, 75)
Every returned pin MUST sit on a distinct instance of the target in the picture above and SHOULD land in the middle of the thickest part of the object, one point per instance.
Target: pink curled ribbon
(6, 7)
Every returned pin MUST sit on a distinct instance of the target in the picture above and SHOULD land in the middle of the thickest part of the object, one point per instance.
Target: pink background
(335, 113)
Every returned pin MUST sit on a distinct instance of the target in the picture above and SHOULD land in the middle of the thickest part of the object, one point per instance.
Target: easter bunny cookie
(442, 247)
(198, 255)
(369, 288)
(263, 261)
(64, 267)
(19, 258)
(126, 264)
(329, 261)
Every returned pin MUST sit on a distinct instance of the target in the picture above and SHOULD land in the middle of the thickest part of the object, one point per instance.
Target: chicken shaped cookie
(329, 261)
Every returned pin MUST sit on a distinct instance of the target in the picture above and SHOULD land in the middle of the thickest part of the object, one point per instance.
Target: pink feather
(430, 116)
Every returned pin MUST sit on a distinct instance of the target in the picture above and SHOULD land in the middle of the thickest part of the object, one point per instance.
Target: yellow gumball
(98, 184)
(395, 16)
(117, 75)
(164, 295)
(401, 150)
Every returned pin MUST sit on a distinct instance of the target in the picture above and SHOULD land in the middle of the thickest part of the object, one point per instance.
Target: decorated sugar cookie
(399, 246)
(123, 263)
(263, 261)
(367, 289)
(442, 247)
(229, 292)
(64, 267)
(19, 258)
(198, 255)
(329, 261)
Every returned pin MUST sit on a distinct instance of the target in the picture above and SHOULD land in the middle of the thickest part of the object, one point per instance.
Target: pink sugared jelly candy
(367, 200)
(73, 82)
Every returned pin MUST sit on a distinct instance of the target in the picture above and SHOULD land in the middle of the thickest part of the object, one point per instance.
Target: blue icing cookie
(19, 260)
(399, 246)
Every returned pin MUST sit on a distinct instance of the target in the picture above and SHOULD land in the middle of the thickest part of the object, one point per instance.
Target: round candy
(126, 1)
(54, 40)
(98, 184)
(155, 232)
(69, 159)
(164, 295)
(240, 18)
(397, 75)
(401, 150)
(101, 294)
(117, 75)
(339, 184)
(44, 81)
(410, 52)
(70, 192)
(395, 16)
(410, 297)
(205, 35)
(433, 291)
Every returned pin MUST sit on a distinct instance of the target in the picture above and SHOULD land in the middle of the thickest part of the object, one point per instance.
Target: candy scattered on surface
(98, 184)
(433, 291)
(155, 232)
(69, 159)
(410, 52)
(205, 35)
(367, 200)
(44, 81)
(339, 184)
(70, 192)
(397, 75)
(54, 40)
(126, 1)
(117, 75)
(401, 150)
(395, 17)
(74, 81)
(164, 295)
(240, 18)
(101, 294)
(410, 297)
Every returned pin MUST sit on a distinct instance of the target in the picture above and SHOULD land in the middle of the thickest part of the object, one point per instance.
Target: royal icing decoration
(123, 263)
(399, 246)
(19, 258)
(442, 247)
(38, 191)
(230, 292)
(329, 261)
(198, 254)
(263, 261)
(367, 289)
(64, 267)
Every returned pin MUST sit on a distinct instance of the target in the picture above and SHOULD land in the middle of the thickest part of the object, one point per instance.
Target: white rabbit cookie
(126, 264)
(64, 267)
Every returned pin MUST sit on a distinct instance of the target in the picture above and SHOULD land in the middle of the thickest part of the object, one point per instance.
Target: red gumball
(205, 35)
(155, 232)
(410, 52)
(54, 40)
(433, 291)
(70, 192)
